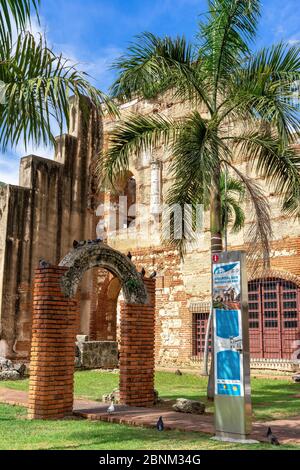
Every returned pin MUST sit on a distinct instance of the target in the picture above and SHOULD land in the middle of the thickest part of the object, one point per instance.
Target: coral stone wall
(52, 206)
(181, 284)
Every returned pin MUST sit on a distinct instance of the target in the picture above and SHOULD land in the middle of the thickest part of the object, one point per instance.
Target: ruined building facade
(39, 219)
(58, 201)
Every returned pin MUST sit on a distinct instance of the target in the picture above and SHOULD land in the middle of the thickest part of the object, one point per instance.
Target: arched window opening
(126, 200)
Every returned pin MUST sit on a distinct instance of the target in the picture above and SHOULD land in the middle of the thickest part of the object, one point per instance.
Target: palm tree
(36, 82)
(240, 109)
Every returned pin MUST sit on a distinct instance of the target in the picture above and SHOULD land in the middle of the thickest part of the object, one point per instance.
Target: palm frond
(142, 70)
(130, 138)
(232, 196)
(225, 37)
(279, 165)
(15, 12)
(153, 65)
(265, 88)
(38, 84)
(259, 233)
(232, 213)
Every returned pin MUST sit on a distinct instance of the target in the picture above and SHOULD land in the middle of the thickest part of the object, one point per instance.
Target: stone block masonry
(97, 354)
(40, 218)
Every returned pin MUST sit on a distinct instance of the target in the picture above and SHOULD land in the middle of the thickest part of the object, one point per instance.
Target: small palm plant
(232, 197)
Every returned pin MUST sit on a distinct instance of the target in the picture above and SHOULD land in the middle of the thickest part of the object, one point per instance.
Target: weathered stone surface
(11, 371)
(77, 362)
(20, 368)
(5, 364)
(96, 254)
(60, 195)
(10, 375)
(98, 354)
(189, 406)
(82, 338)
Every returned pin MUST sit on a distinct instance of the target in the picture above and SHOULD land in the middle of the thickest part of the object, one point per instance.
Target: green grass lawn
(16, 432)
(271, 399)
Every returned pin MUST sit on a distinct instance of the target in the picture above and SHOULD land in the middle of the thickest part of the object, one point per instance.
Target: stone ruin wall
(52, 206)
(55, 204)
(181, 283)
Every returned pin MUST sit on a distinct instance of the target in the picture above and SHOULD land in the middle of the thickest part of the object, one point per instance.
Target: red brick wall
(54, 328)
(137, 351)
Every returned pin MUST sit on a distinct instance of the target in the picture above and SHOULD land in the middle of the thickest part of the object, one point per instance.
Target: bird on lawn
(43, 264)
(272, 438)
(160, 424)
(129, 255)
(111, 408)
(153, 275)
(143, 272)
(178, 372)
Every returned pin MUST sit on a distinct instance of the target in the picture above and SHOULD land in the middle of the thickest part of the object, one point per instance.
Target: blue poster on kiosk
(228, 329)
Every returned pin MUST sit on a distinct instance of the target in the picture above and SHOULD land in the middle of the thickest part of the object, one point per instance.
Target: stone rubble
(296, 378)
(11, 371)
(184, 405)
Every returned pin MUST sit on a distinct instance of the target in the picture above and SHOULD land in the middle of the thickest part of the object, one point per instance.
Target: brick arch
(271, 273)
(100, 255)
(54, 321)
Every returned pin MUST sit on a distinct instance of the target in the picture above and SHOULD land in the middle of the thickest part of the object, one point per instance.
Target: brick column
(54, 325)
(137, 351)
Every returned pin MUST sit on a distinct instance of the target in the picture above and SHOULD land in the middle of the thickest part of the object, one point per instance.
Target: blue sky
(94, 32)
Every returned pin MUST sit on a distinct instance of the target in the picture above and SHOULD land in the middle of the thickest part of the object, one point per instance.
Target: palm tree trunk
(216, 247)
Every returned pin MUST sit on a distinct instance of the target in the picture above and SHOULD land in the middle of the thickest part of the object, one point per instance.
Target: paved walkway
(287, 430)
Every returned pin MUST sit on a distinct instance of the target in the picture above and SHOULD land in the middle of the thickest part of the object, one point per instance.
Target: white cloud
(293, 41)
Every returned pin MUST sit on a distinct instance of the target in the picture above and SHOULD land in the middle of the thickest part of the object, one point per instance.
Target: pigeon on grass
(160, 424)
(272, 438)
(111, 408)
